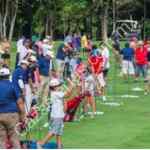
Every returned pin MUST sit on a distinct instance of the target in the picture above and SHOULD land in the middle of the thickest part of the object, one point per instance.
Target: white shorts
(127, 67)
(101, 80)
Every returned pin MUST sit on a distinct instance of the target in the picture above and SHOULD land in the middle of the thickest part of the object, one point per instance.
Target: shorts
(127, 67)
(89, 93)
(56, 126)
(60, 64)
(141, 69)
(101, 80)
(8, 123)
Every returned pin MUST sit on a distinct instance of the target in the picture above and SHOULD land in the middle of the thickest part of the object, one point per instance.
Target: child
(89, 90)
(57, 112)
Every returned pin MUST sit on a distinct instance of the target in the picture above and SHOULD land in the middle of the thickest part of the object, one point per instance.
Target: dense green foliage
(57, 17)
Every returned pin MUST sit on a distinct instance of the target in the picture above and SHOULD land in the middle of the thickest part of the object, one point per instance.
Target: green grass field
(125, 126)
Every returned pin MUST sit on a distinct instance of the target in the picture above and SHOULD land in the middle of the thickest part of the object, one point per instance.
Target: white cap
(45, 41)
(54, 82)
(33, 58)
(24, 62)
(4, 72)
(50, 53)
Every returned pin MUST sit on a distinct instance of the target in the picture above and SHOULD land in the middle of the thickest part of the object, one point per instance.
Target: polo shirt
(18, 74)
(128, 53)
(141, 56)
(60, 53)
(8, 97)
(44, 65)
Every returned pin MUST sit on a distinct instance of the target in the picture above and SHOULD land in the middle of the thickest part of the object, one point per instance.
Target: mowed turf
(124, 126)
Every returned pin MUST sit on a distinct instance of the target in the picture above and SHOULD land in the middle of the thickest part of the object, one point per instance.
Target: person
(24, 50)
(44, 69)
(97, 64)
(19, 45)
(89, 87)
(60, 58)
(84, 41)
(105, 55)
(19, 79)
(147, 85)
(141, 60)
(6, 53)
(11, 110)
(127, 61)
(76, 42)
(46, 46)
(68, 38)
(57, 112)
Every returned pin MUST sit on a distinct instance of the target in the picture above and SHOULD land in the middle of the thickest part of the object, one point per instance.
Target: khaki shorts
(8, 122)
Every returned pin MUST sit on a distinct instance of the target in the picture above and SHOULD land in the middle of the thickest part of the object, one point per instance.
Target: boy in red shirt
(141, 59)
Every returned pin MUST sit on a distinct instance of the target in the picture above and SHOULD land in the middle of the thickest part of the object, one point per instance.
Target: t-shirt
(105, 54)
(128, 53)
(57, 99)
(89, 83)
(8, 97)
(60, 53)
(141, 55)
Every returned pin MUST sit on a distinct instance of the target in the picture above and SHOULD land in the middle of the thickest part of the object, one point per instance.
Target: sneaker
(99, 113)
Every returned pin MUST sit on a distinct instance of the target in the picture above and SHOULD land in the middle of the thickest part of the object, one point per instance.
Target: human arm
(20, 104)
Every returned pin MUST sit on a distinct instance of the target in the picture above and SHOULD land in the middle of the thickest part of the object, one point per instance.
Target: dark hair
(94, 46)
(4, 77)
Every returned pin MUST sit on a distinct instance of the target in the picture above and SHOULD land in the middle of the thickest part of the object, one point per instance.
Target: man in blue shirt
(44, 69)
(19, 77)
(11, 110)
(127, 62)
(60, 58)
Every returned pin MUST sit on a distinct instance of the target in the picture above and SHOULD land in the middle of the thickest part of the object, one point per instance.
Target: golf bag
(72, 106)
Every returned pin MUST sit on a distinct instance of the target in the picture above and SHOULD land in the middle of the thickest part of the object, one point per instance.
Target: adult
(19, 79)
(46, 46)
(24, 50)
(105, 55)
(19, 45)
(141, 60)
(44, 69)
(127, 61)
(97, 64)
(60, 58)
(12, 106)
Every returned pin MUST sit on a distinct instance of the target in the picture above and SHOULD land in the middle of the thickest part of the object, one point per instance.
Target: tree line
(97, 18)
